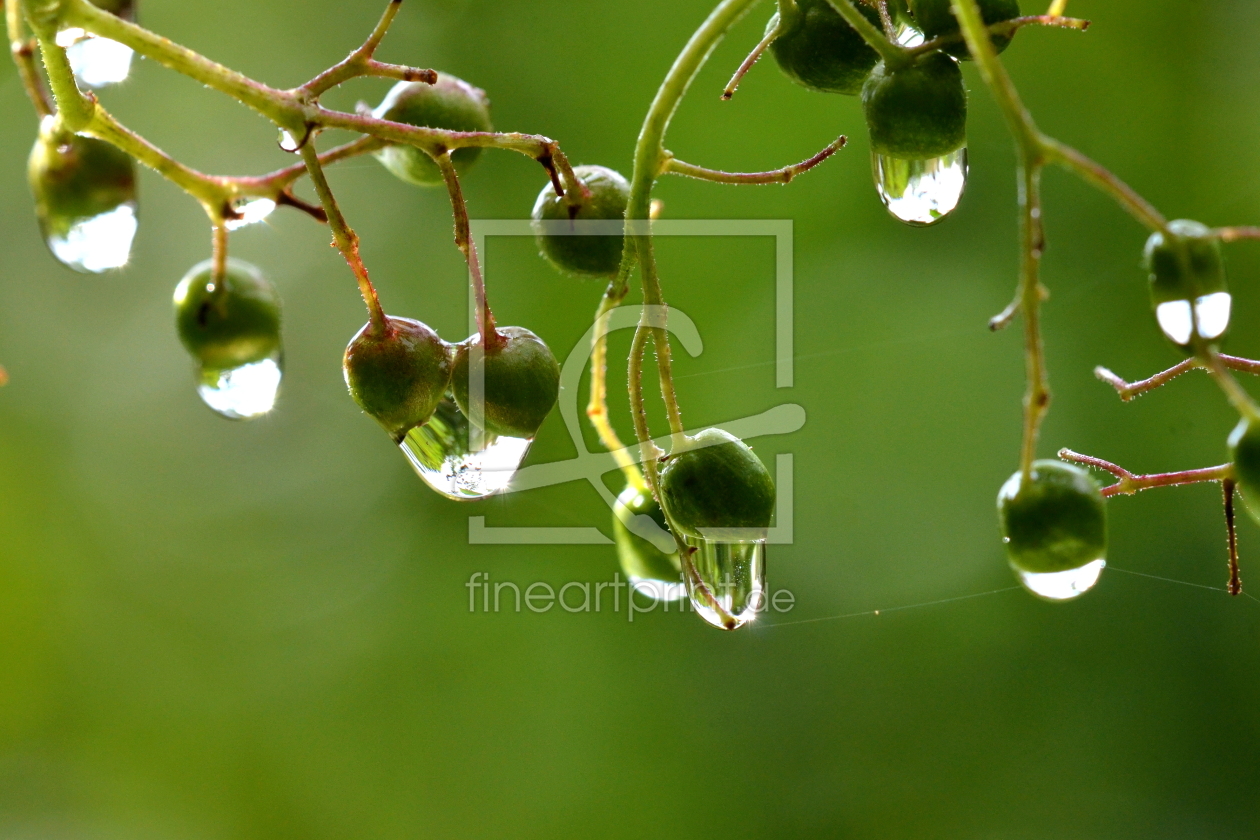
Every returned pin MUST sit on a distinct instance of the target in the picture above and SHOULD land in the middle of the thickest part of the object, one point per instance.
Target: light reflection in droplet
(252, 211)
(734, 575)
(244, 392)
(96, 61)
(921, 192)
(1062, 586)
(442, 454)
(98, 243)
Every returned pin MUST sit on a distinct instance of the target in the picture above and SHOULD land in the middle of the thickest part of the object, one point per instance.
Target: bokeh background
(217, 630)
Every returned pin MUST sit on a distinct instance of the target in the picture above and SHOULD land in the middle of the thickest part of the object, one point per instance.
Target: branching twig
(1006, 28)
(361, 63)
(674, 166)
(1130, 390)
(1130, 483)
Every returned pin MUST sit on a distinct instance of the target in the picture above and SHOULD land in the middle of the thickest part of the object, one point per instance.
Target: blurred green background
(217, 630)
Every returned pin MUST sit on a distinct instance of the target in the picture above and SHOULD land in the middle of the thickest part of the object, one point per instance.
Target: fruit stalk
(345, 238)
(23, 49)
(1129, 483)
(463, 240)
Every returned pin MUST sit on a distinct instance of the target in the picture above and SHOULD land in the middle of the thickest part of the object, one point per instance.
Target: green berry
(639, 557)
(918, 111)
(1187, 274)
(1055, 523)
(449, 103)
(125, 9)
(230, 323)
(936, 20)
(818, 48)
(1244, 451)
(398, 375)
(714, 481)
(592, 256)
(522, 382)
(76, 179)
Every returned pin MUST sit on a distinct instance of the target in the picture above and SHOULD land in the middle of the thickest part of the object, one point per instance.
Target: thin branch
(1129, 390)
(1131, 483)
(1237, 396)
(23, 49)
(753, 57)
(345, 238)
(1234, 234)
(892, 54)
(1231, 537)
(597, 407)
(1098, 176)
(361, 63)
(674, 166)
(1006, 28)
(463, 240)
(218, 254)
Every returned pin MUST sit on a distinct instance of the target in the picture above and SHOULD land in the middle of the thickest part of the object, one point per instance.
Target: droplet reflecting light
(97, 243)
(733, 574)
(252, 212)
(96, 61)
(458, 460)
(1062, 586)
(244, 392)
(921, 192)
(1212, 310)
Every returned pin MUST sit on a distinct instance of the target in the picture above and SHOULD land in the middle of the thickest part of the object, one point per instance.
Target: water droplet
(734, 575)
(252, 211)
(96, 61)
(459, 460)
(288, 143)
(241, 393)
(1212, 311)
(645, 547)
(1062, 586)
(921, 192)
(908, 36)
(96, 243)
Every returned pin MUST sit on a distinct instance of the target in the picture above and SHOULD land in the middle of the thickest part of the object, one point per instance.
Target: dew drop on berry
(733, 573)
(96, 243)
(244, 392)
(459, 460)
(921, 192)
(1062, 586)
(1177, 321)
(908, 36)
(97, 62)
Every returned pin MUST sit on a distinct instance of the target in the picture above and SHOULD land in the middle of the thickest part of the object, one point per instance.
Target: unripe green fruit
(75, 178)
(1244, 451)
(1187, 274)
(918, 111)
(125, 9)
(449, 103)
(398, 375)
(714, 481)
(1056, 523)
(230, 323)
(936, 20)
(522, 382)
(818, 48)
(592, 256)
(639, 557)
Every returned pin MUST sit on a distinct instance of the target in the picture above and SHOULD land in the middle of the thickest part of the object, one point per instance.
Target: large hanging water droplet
(921, 192)
(1062, 586)
(96, 62)
(1212, 312)
(252, 211)
(732, 576)
(908, 36)
(244, 392)
(96, 243)
(459, 460)
(645, 548)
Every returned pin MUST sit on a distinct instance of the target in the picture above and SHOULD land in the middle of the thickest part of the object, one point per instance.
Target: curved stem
(1130, 483)
(1238, 398)
(597, 407)
(22, 48)
(1104, 180)
(345, 238)
(459, 208)
(674, 166)
(892, 54)
(1129, 390)
(747, 64)
(361, 63)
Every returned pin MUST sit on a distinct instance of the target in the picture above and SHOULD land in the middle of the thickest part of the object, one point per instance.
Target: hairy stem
(674, 166)
(22, 48)
(345, 238)
(361, 63)
(1130, 483)
(459, 208)
(1129, 390)
(892, 54)
(747, 64)
(1234, 587)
